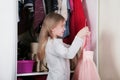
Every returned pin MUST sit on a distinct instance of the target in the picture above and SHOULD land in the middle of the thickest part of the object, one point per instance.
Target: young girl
(51, 46)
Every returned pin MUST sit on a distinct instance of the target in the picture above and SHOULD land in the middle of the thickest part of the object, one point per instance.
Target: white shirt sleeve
(69, 53)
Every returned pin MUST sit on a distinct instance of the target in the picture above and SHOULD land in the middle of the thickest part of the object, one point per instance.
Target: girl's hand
(83, 32)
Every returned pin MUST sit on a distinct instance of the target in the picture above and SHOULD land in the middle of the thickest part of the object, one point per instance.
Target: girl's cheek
(64, 28)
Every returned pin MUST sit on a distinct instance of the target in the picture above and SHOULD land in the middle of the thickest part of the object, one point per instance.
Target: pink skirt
(86, 68)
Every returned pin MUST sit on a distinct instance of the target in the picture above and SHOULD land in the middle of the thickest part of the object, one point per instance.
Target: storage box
(25, 66)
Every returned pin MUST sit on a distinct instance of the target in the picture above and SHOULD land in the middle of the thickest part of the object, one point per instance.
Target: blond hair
(50, 21)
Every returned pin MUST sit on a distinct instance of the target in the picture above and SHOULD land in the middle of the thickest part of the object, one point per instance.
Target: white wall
(7, 39)
(109, 39)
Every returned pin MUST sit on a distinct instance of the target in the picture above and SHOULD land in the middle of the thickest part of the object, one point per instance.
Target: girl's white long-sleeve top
(57, 58)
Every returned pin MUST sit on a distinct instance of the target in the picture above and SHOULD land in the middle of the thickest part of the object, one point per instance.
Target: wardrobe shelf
(35, 73)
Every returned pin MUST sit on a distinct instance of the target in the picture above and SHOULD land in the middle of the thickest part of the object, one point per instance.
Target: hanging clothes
(77, 20)
(54, 5)
(48, 6)
(25, 15)
(39, 13)
(62, 8)
(67, 31)
(71, 4)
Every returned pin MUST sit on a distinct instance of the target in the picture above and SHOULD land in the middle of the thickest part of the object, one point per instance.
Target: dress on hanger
(86, 68)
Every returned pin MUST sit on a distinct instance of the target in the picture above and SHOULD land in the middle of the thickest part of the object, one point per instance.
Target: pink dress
(86, 68)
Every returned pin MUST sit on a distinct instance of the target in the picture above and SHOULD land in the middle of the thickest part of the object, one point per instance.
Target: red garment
(77, 20)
